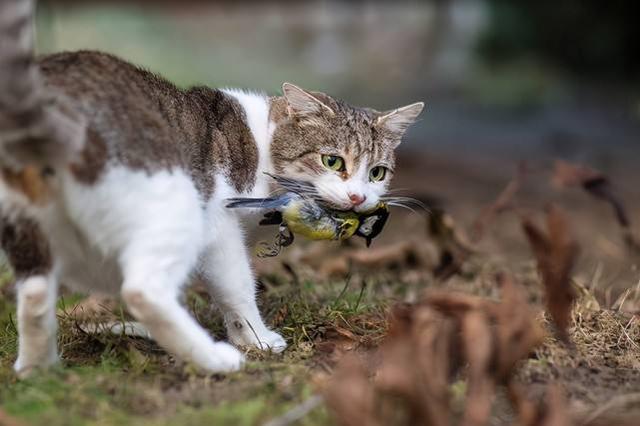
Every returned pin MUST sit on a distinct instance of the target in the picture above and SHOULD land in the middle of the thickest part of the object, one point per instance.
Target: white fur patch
(256, 108)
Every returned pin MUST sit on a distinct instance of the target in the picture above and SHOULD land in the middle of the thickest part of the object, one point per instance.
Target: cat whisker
(406, 201)
(403, 206)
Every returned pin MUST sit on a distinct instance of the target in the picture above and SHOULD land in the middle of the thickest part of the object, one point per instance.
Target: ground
(329, 300)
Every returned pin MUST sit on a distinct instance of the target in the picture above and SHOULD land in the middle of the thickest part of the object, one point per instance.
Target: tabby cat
(137, 207)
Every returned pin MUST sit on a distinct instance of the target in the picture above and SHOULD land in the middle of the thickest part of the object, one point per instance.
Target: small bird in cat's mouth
(298, 212)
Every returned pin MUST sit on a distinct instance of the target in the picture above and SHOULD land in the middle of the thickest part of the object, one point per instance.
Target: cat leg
(37, 323)
(161, 252)
(150, 292)
(28, 253)
(226, 269)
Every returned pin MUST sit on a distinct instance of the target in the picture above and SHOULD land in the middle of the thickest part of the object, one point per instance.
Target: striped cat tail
(37, 128)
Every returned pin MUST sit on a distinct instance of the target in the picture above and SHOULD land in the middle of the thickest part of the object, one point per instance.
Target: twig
(297, 412)
(617, 305)
(255, 334)
(624, 331)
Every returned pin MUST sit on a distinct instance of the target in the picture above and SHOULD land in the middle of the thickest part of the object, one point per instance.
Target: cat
(139, 206)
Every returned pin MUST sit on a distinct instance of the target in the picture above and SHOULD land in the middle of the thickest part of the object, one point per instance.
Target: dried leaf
(568, 175)
(503, 202)
(426, 346)
(599, 186)
(526, 409)
(350, 395)
(517, 333)
(555, 412)
(477, 341)
(452, 243)
(556, 253)
(494, 336)
(552, 411)
(419, 338)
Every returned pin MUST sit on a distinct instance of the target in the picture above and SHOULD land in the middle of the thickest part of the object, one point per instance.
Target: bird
(297, 213)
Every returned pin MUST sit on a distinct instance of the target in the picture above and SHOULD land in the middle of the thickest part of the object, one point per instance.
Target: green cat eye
(333, 162)
(377, 173)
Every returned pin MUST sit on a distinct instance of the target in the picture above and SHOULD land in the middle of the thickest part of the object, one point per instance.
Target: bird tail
(270, 203)
(37, 127)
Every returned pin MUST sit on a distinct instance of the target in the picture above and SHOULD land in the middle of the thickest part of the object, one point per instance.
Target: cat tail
(37, 127)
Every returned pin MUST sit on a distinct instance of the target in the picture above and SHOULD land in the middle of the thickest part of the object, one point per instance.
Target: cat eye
(377, 173)
(333, 162)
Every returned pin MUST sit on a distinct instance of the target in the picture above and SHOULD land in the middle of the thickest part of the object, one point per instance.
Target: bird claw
(285, 236)
(283, 239)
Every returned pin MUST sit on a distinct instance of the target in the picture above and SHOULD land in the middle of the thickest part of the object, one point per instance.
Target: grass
(107, 379)
(112, 380)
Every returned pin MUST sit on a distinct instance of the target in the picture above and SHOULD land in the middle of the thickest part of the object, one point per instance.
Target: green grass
(113, 380)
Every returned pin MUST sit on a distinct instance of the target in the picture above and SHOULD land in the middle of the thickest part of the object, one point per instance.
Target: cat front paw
(264, 339)
(223, 359)
(271, 341)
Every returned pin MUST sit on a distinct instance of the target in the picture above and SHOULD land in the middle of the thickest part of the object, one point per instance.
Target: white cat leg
(153, 279)
(175, 330)
(37, 323)
(226, 268)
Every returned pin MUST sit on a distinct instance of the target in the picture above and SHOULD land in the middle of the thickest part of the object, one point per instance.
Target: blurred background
(499, 77)
(503, 81)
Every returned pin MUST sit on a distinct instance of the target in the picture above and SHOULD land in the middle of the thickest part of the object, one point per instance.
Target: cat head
(345, 151)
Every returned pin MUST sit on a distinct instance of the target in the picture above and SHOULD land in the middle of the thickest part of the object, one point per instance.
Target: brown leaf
(525, 408)
(350, 395)
(556, 253)
(517, 333)
(477, 341)
(569, 175)
(552, 411)
(452, 243)
(503, 202)
(493, 336)
(427, 344)
(415, 365)
(599, 186)
(514, 331)
(555, 408)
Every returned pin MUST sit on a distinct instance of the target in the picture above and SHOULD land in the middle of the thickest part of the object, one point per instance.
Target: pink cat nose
(357, 199)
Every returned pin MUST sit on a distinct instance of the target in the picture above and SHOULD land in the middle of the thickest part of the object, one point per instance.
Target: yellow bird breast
(322, 225)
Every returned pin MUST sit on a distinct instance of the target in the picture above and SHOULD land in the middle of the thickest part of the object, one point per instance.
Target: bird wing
(270, 203)
(294, 185)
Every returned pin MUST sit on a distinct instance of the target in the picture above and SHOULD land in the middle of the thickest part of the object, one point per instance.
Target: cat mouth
(308, 189)
(337, 205)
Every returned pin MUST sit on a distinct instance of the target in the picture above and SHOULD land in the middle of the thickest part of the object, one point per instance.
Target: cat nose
(357, 199)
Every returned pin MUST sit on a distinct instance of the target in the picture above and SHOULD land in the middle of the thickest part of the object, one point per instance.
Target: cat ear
(303, 104)
(398, 121)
